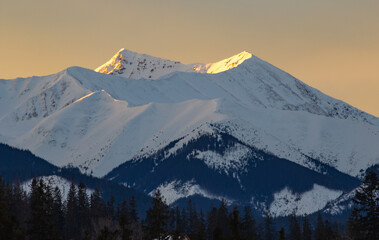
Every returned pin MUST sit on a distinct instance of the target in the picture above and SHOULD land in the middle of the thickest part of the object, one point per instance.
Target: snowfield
(286, 202)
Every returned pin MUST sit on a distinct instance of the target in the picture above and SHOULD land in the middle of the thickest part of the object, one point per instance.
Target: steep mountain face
(219, 166)
(250, 118)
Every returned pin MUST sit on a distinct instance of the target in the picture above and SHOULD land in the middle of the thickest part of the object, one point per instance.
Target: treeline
(44, 214)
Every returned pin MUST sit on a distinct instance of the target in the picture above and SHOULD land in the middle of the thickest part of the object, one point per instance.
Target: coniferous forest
(44, 214)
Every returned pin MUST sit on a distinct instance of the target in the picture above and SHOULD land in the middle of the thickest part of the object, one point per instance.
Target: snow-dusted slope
(95, 121)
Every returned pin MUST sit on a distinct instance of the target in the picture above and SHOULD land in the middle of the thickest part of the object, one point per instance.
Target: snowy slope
(96, 122)
(286, 202)
(82, 118)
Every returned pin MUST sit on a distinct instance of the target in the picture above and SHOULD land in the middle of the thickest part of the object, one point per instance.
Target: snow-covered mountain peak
(223, 65)
(134, 65)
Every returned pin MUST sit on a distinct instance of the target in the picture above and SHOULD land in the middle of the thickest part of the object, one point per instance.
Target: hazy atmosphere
(330, 45)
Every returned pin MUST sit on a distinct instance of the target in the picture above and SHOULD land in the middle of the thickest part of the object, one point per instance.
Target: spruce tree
(41, 222)
(178, 223)
(59, 220)
(97, 205)
(307, 229)
(269, 226)
(249, 229)
(4, 217)
(110, 207)
(157, 217)
(200, 234)
(235, 223)
(330, 233)
(320, 228)
(172, 222)
(184, 229)
(212, 223)
(124, 221)
(222, 230)
(282, 234)
(364, 219)
(295, 230)
(83, 212)
(72, 229)
(10, 227)
(133, 214)
(18, 204)
(193, 220)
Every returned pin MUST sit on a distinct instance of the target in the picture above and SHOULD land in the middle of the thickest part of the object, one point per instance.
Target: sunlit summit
(135, 65)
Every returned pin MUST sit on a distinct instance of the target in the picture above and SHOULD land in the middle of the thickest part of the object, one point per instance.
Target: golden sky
(332, 45)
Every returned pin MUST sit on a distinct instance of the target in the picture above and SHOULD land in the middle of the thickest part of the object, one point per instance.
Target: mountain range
(239, 129)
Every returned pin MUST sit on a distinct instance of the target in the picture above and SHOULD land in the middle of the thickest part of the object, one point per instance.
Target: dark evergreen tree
(269, 226)
(295, 230)
(249, 230)
(307, 229)
(83, 211)
(58, 211)
(133, 210)
(235, 223)
(193, 220)
(364, 219)
(110, 207)
(184, 228)
(124, 221)
(18, 204)
(172, 221)
(320, 228)
(212, 223)
(72, 225)
(97, 205)
(222, 230)
(178, 223)
(282, 234)
(329, 232)
(41, 222)
(353, 225)
(157, 217)
(200, 233)
(9, 225)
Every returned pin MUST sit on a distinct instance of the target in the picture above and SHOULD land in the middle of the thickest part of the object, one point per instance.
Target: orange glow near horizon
(330, 45)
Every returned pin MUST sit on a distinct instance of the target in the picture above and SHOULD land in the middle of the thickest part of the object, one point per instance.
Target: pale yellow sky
(332, 45)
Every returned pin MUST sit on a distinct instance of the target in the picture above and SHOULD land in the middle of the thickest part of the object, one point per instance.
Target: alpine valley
(239, 129)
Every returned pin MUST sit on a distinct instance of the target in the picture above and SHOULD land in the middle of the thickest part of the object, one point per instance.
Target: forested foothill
(45, 214)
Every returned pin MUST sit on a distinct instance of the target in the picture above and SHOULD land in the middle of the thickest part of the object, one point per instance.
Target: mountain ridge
(135, 65)
(98, 122)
